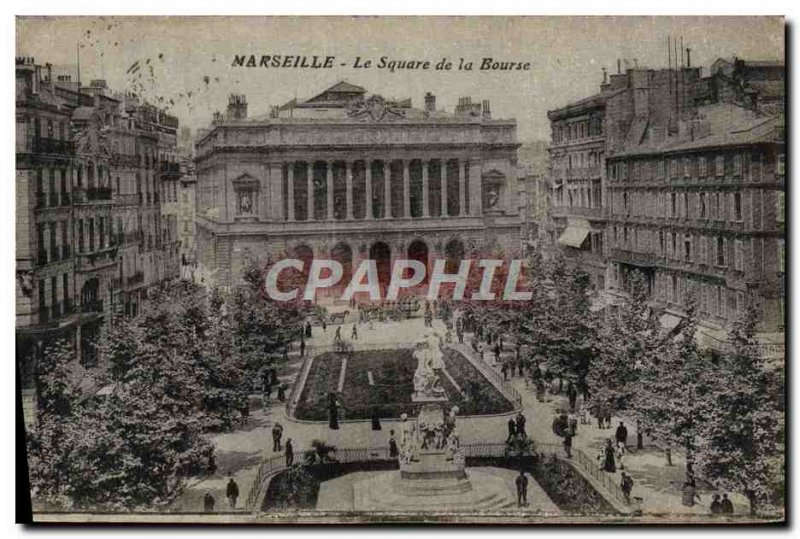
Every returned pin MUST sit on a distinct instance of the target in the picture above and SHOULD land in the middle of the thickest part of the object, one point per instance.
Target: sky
(186, 62)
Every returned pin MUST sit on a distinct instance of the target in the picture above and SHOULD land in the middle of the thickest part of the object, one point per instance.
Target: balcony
(51, 145)
(94, 306)
(584, 173)
(135, 280)
(577, 211)
(170, 170)
(132, 199)
(631, 257)
(92, 195)
(51, 314)
(96, 260)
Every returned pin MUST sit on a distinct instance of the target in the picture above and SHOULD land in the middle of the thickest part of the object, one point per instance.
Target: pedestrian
(338, 335)
(232, 492)
(622, 451)
(212, 464)
(289, 452)
(208, 502)
(308, 329)
(480, 350)
(512, 430)
(607, 418)
(726, 506)
(716, 506)
(622, 434)
(333, 413)
(573, 425)
(354, 333)
(504, 370)
(689, 492)
(572, 395)
(302, 348)
(568, 444)
(277, 434)
(376, 419)
(522, 489)
(626, 485)
(520, 425)
(324, 326)
(392, 446)
(282, 392)
(497, 350)
(609, 463)
(540, 390)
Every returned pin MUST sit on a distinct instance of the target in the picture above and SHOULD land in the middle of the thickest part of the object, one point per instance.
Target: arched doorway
(418, 250)
(381, 253)
(454, 254)
(343, 254)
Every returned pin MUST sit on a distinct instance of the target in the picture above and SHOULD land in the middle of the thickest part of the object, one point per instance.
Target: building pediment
(246, 181)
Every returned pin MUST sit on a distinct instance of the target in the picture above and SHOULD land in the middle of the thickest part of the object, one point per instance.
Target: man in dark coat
(520, 425)
(626, 485)
(726, 505)
(522, 489)
(393, 452)
(232, 492)
(609, 464)
(716, 506)
(512, 429)
(333, 413)
(622, 434)
(568, 444)
(208, 502)
(277, 434)
(289, 452)
(302, 348)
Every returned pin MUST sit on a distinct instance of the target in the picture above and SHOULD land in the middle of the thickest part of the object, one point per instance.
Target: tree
(628, 340)
(675, 387)
(744, 437)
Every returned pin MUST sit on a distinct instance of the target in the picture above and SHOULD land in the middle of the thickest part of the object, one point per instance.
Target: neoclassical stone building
(349, 177)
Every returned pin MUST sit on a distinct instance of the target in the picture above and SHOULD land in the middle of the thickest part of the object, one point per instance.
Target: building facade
(350, 177)
(88, 213)
(690, 190)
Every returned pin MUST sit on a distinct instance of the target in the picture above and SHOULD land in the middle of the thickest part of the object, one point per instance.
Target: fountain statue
(427, 385)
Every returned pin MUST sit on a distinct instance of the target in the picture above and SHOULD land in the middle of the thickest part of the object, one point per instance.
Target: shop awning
(574, 235)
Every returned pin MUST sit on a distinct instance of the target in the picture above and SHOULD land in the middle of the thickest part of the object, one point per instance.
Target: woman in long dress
(609, 465)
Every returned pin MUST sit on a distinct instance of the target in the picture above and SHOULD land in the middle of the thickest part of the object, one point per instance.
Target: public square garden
(380, 382)
(186, 376)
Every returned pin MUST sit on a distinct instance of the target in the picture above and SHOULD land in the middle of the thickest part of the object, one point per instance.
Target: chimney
(237, 107)
(619, 66)
(688, 57)
(605, 76)
(487, 113)
(430, 102)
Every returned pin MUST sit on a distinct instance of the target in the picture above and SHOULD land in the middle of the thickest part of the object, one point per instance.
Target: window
(703, 213)
(738, 255)
(687, 167)
(720, 165)
(781, 215)
(701, 167)
(737, 165)
(675, 252)
(687, 249)
(674, 205)
(703, 250)
(721, 301)
(721, 251)
(737, 206)
(673, 168)
(686, 205)
(782, 255)
(660, 167)
(781, 165)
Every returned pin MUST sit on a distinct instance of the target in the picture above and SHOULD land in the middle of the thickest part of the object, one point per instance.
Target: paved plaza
(240, 452)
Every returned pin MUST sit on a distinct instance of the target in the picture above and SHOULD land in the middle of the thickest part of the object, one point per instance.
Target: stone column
(310, 189)
(387, 190)
(443, 179)
(276, 193)
(349, 188)
(475, 190)
(368, 188)
(329, 179)
(290, 189)
(425, 189)
(462, 189)
(406, 190)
